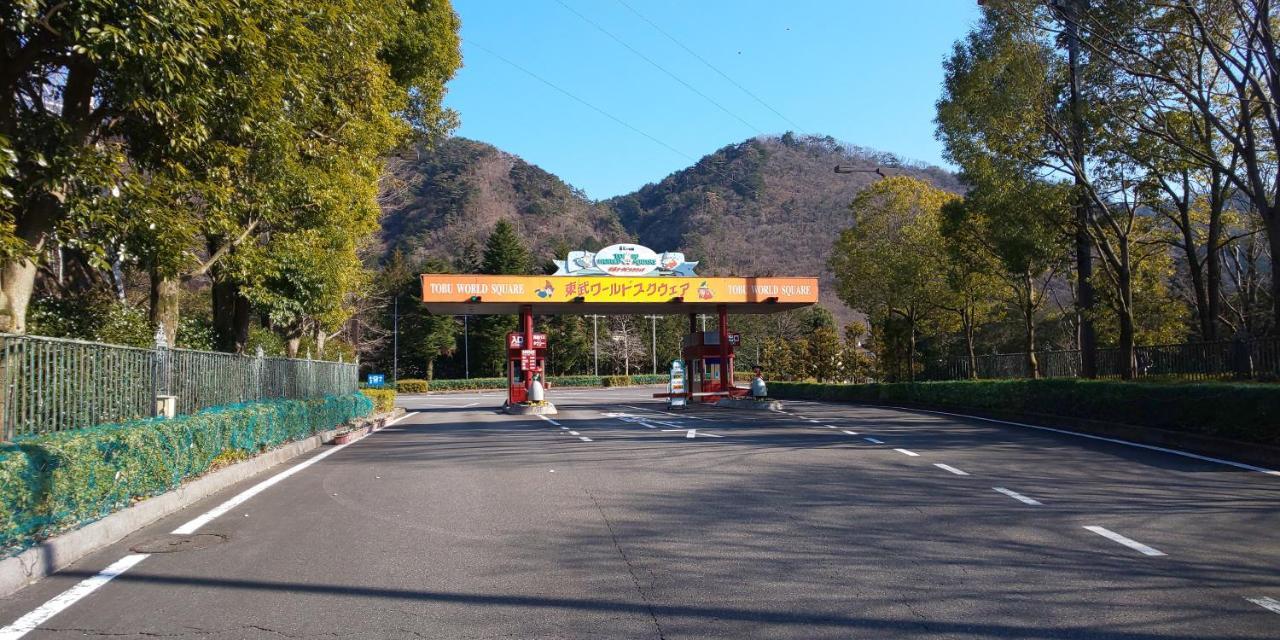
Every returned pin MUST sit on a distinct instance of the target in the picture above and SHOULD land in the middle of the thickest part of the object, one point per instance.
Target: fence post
(1241, 357)
(258, 363)
(157, 368)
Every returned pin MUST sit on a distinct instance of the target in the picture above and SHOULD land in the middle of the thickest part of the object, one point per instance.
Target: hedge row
(384, 400)
(53, 482)
(1245, 412)
(556, 381)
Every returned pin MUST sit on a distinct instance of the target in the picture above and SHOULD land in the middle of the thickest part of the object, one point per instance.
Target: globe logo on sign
(626, 260)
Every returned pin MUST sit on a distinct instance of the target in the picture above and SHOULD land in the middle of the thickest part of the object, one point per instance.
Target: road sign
(516, 341)
(376, 380)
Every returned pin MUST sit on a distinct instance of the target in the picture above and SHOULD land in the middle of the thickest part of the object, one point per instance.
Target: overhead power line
(709, 65)
(581, 101)
(658, 66)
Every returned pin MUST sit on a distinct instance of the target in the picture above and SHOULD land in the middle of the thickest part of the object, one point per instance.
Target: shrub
(411, 385)
(616, 381)
(384, 400)
(56, 481)
(1247, 412)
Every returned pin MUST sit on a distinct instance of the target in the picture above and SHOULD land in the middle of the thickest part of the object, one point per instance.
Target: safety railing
(55, 384)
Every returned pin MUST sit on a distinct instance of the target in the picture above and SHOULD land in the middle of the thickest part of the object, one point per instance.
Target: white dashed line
(1132, 544)
(815, 421)
(26, 624)
(550, 420)
(584, 438)
(1268, 603)
(874, 441)
(908, 452)
(851, 433)
(564, 428)
(947, 467)
(1017, 496)
(574, 433)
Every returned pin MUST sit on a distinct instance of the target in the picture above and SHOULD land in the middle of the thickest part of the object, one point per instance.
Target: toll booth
(525, 359)
(709, 357)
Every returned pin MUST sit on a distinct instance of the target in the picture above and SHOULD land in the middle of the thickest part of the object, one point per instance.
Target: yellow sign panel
(484, 289)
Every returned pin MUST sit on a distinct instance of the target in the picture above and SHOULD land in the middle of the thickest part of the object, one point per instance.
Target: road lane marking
(584, 438)
(237, 500)
(564, 428)
(815, 421)
(693, 433)
(550, 420)
(907, 452)
(574, 433)
(1017, 496)
(28, 623)
(666, 413)
(852, 433)
(830, 426)
(1268, 603)
(1196, 456)
(874, 441)
(947, 467)
(1128, 542)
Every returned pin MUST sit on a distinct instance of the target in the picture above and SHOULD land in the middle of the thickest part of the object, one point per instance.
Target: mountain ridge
(769, 205)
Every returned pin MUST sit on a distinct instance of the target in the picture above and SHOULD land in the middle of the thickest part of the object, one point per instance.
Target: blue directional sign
(376, 379)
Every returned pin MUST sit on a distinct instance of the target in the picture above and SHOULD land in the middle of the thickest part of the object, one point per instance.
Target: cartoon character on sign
(669, 262)
(704, 293)
(546, 290)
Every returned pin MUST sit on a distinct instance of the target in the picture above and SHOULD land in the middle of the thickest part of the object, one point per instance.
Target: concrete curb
(59, 551)
(749, 404)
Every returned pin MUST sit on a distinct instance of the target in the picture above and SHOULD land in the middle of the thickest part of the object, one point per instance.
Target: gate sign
(676, 384)
(528, 360)
(516, 341)
(376, 379)
(625, 260)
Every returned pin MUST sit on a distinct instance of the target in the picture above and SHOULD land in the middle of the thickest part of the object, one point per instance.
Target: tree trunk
(911, 348)
(967, 321)
(1129, 365)
(166, 293)
(322, 337)
(1198, 285)
(1029, 325)
(18, 274)
(1271, 221)
(291, 345)
(231, 317)
(431, 368)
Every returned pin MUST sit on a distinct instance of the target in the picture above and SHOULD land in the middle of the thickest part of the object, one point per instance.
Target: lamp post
(595, 343)
(653, 327)
(466, 349)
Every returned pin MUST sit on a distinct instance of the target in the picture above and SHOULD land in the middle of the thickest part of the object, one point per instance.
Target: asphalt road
(610, 521)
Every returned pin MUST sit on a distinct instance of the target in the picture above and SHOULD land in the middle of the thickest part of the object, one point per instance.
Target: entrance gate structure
(646, 283)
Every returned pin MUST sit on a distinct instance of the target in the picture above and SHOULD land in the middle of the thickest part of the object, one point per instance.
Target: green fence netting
(56, 481)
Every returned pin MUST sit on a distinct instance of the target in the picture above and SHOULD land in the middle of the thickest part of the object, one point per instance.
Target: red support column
(526, 326)
(726, 371)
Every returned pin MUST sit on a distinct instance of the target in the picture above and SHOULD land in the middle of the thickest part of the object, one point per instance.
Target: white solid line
(852, 433)
(1132, 544)
(584, 438)
(1196, 456)
(564, 428)
(874, 441)
(550, 420)
(26, 624)
(815, 421)
(830, 426)
(1268, 603)
(573, 433)
(240, 498)
(693, 433)
(907, 452)
(1018, 496)
(947, 467)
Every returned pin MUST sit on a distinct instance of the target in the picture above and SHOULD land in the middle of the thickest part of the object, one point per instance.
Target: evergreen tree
(504, 254)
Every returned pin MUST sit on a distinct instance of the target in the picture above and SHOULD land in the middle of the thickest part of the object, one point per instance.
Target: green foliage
(410, 385)
(97, 317)
(616, 381)
(1253, 415)
(384, 400)
(57, 481)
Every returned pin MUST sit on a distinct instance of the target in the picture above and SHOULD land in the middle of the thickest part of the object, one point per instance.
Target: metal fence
(53, 384)
(1228, 359)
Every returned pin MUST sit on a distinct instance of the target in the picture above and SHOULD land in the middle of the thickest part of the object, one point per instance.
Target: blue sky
(866, 72)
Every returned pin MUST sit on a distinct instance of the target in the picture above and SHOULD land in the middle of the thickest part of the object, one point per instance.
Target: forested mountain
(442, 202)
(765, 206)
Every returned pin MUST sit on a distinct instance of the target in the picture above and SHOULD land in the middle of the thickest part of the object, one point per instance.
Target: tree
(80, 85)
(884, 263)
(504, 254)
(1018, 223)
